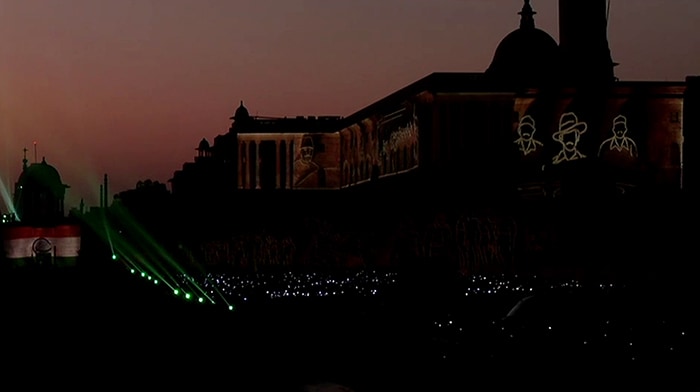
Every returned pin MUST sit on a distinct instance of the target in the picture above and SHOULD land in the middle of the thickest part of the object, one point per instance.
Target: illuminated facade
(535, 125)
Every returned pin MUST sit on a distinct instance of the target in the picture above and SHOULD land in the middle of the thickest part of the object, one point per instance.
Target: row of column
(249, 174)
(246, 172)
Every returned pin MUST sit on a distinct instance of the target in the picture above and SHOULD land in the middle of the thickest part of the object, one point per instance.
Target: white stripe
(66, 246)
(20, 248)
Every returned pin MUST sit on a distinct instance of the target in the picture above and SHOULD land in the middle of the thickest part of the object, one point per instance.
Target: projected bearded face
(570, 140)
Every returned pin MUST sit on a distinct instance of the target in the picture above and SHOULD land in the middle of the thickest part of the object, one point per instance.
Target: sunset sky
(130, 87)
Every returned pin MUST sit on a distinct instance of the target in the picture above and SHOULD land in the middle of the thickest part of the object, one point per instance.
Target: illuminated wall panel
(359, 152)
(316, 161)
(381, 145)
(289, 161)
(259, 160)
(631, 137)
(398, 140)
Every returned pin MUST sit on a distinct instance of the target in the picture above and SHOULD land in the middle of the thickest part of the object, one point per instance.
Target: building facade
(531, 129)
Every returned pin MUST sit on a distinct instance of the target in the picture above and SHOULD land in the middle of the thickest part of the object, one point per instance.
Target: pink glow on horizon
(129, 88)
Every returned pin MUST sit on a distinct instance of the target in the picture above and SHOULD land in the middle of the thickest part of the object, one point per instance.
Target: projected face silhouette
(526, 132)
(570, 140)
(620, 128)
(619, 140)
(569, 135)
(307, 149)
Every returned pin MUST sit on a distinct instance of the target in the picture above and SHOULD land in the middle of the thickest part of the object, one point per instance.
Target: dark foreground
(85, 330)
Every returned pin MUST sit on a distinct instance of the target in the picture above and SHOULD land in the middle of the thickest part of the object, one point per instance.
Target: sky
(128, 88)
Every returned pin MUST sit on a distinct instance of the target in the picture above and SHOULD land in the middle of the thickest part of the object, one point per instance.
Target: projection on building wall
(359, 152)
(379, 146)
(288, 161)
(398, 140)
(316, 161)
(619, 142)
(28, 245)
(527, 141)
(626, 140)
(568, 135)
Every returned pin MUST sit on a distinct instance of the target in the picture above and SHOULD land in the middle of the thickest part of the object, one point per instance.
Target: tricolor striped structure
(53, 245)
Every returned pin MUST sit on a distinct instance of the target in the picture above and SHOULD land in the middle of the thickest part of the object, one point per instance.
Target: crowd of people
(365, 329)
(427, 301)
(495, 319)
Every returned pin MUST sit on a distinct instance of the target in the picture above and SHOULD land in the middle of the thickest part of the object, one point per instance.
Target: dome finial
(527, 16)
(24, 161)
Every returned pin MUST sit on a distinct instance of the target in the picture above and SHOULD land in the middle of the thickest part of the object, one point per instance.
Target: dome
(39, 193)
(203, 145)
(241, 120)
(527, 56)
(241, 113)
(42, 176)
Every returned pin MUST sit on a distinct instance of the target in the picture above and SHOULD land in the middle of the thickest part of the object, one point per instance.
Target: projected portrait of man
(307, 173)
(619, 141)
(526, 136)
(569, 135)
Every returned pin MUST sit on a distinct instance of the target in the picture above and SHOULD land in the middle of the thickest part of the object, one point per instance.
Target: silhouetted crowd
(470, 244)
(271, 286)
(496, 320)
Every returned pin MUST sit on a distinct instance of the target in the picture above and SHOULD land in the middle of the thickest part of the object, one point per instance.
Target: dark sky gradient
(130, 87)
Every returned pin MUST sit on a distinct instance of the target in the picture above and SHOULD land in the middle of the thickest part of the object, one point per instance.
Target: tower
(105, 192)
(583, 42)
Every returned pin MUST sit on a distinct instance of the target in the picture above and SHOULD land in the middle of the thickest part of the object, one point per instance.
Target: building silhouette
(39, 193)
(536, 159)
(39, 234)
(457, 130)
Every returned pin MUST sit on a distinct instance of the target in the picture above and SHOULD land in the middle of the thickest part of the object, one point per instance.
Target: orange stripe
(16, 232)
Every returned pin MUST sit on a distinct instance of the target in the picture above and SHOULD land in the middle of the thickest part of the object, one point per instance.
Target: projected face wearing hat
(526, 135)
(307, 149)
(568, 135)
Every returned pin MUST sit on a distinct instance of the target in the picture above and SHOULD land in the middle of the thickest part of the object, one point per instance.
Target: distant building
(39, 233)
(261, 153)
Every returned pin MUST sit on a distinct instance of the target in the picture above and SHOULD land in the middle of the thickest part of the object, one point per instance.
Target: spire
(583, 39)
(527, 20)
(105, 193)
(24, 161)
